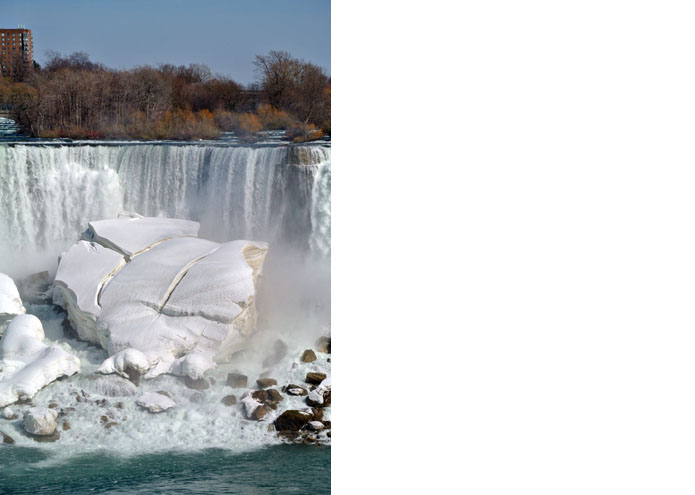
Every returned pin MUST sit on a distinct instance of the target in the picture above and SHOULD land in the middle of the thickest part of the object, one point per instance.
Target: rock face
(155, 402)
(27, 364)
(151, 285)
(10, 302)
(40, 421)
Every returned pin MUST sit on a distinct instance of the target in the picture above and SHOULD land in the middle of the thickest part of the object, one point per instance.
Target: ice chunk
(130, 236)
(27, 364)
(154, 402)
(10, 302)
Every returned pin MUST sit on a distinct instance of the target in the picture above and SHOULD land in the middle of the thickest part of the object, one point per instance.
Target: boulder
(155, 402)
(324, 344)
(237, 380)
(293, 389)
(266, 382)
(308, 356)
(314, 426)
(321, 396)
(269, 397)
(40, 421)
(66, 426)
(279, 352)
(253, 409)
(197, 384)
(293, 420)
(315, 378)
(6, 438)
(259, 413)
(229, 400)
(152, 285)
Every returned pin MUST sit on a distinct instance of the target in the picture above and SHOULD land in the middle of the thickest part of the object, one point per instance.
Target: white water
(48, 193)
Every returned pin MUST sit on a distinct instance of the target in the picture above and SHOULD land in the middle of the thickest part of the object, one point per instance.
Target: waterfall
(48, 193)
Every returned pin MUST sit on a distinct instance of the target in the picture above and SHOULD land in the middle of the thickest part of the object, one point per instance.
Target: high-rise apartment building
(16, 50)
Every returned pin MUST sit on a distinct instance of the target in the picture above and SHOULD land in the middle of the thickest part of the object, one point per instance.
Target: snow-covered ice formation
(40, 421)
(27, 364)
(155, 402)
(158, 298)
(10, 302)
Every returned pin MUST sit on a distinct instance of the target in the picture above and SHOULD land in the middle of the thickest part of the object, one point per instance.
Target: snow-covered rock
(10, 302)
(40, 421)
(27, 364)
(155, 402)
(150, 285)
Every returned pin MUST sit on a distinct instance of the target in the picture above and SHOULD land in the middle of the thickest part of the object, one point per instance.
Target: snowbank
(10, 302)
(27, 364)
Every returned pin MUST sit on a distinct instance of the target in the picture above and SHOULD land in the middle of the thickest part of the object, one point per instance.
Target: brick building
(16, 50)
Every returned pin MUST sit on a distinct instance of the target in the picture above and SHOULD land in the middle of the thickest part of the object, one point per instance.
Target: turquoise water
(278, 469)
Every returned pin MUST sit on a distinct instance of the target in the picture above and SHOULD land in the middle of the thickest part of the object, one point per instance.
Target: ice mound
(158, 298)
(27, 364)
(10, 302)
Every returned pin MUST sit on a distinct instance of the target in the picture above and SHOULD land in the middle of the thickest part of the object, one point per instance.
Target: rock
(308, 356)
(40, 421)
(110, 425)
(321, 397)
(259, 413)
(279, 352)
(269, 397)
(120, 405)
(292, 420)
(10, 302)
(197, 397)
(52, 405)
(324, 344)
(315, 378)
(229, 400)
(45, 438)
(8, 413)
(266, 382)
(6, 438)
(155, 402)
(104, 419)
(292, 389)
(129, 363)
(237, 380)
(66, 426)
(29, 364)
(208, 312)
(198, 384)
(315, 426)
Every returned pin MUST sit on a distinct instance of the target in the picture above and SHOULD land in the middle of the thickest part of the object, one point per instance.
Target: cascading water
(48, 193)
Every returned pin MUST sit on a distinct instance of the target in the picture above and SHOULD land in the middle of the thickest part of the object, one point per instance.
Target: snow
(155, 402)
(40, 421)
(10, 302)
(124, 360)
(132, 235)
(27, 364)
(148, 285)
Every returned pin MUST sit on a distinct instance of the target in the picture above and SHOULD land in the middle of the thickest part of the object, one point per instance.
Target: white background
(514, 247)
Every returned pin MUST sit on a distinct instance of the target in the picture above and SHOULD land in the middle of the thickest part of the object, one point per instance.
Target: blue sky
(224, 34)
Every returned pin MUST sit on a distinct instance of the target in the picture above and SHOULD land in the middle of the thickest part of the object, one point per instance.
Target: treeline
(71, 96)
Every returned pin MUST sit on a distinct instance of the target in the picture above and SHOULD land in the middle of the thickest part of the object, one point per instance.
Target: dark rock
(45, 438)
(325, 394)
(101, 402)
(315, 378)
(279, 352)
(324, 344)
(164, 393)
(229, 400)
(120, 405)
(327, 424)
(308, 356)
(292, 420)
(66, 426)
(259, 413)
(6, 438)
(266, 382)
(110, 425)
(316, 414)
(197, 397)
(237, 380)
(293, 389)
(268, 397)
(104, 419)
(198, 384)
(52, 405)
(133, 375)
